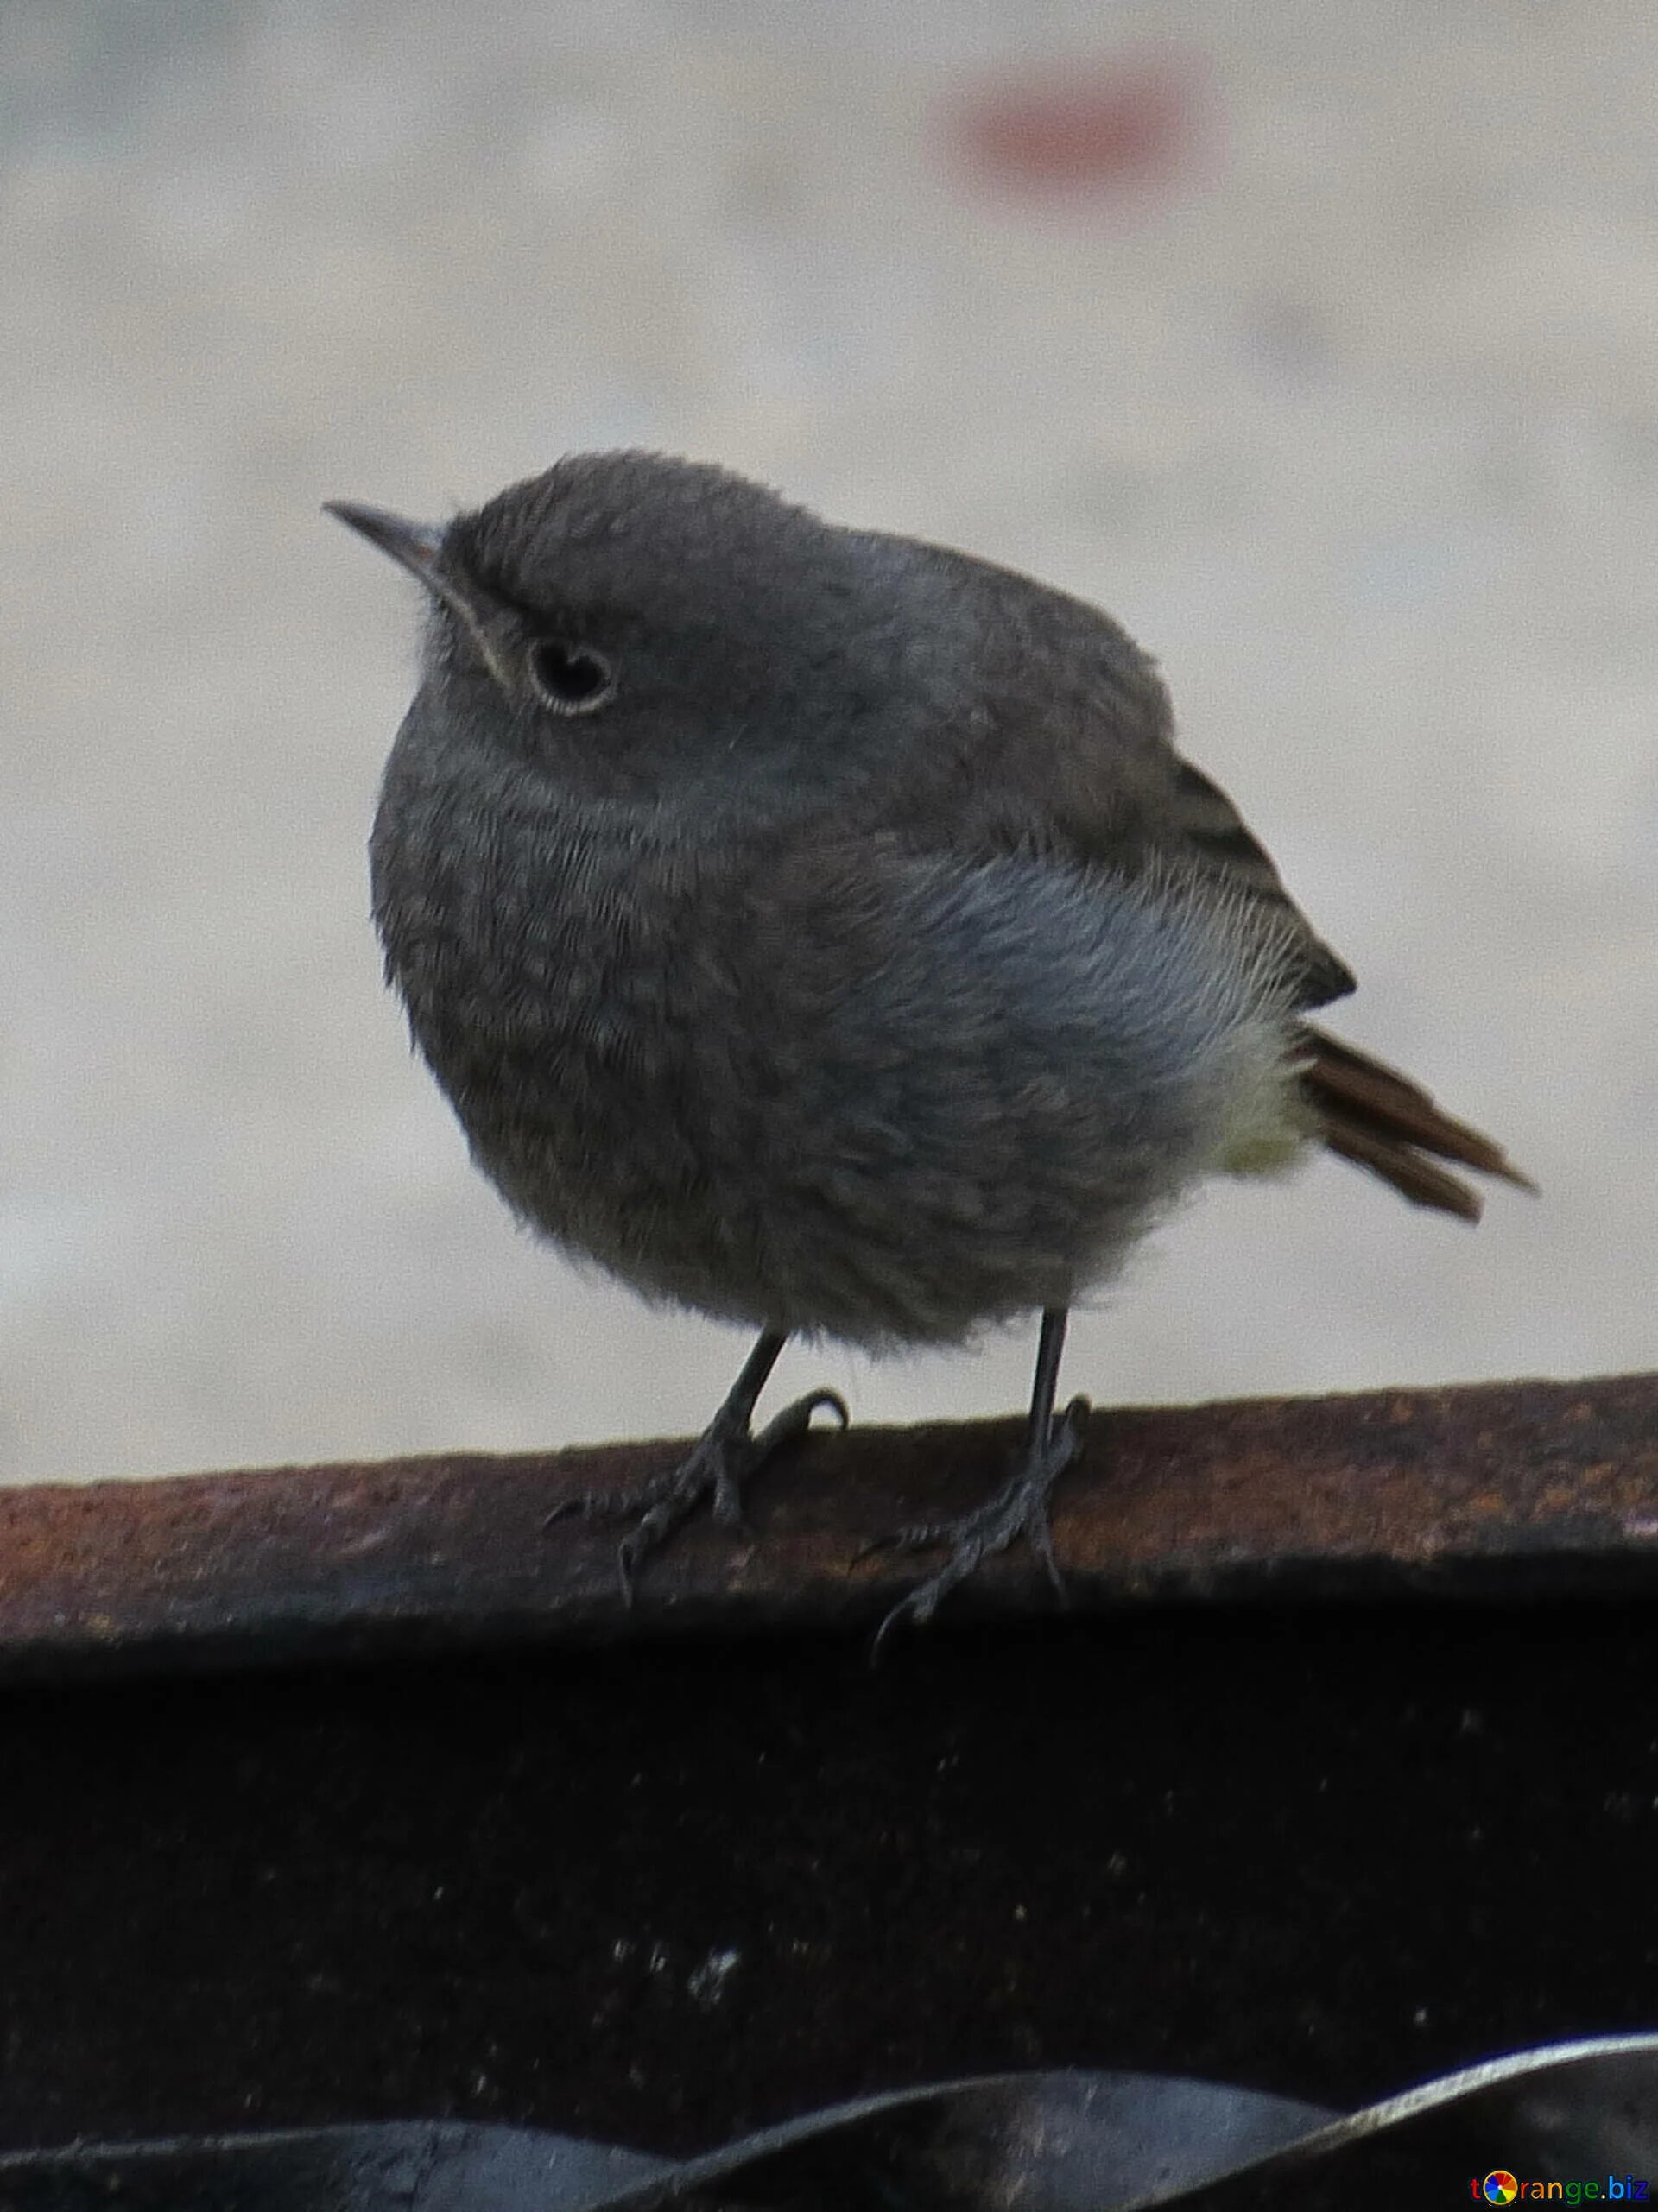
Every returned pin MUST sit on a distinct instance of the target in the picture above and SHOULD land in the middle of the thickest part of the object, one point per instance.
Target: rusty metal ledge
(1519, 1489)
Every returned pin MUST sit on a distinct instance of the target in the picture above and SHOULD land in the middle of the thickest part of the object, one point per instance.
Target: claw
(913, 1536)
(625, 1562)
(912, 1607)
(716, 1469)
(592, 1505)
(1018, 1508)
(727, 1505)
(794, 1421)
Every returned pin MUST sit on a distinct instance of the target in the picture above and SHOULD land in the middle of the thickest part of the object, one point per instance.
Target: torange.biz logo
(1501, 2187)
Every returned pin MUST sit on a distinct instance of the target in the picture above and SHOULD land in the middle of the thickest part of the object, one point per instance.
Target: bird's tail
(1371, 1114)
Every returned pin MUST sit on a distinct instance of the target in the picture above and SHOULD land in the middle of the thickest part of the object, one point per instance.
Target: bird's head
(627, 622)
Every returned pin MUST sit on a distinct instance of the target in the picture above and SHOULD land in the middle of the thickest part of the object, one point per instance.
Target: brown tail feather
(1370, 1114)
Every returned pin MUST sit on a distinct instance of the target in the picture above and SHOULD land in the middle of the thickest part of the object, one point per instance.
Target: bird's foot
(717, 1468)
(1018, 1508)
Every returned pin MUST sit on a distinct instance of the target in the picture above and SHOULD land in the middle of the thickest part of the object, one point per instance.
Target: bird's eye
(571, 679)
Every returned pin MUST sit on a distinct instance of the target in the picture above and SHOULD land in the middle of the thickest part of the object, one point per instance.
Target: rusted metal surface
(1498, 1490)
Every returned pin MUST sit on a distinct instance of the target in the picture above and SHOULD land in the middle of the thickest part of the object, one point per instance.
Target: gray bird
(819, 929)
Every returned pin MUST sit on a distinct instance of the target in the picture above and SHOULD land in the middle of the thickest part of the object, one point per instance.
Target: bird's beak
(416, 545)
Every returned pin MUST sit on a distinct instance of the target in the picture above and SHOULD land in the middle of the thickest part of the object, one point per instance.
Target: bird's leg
(1018, 1508)
(716, 1468)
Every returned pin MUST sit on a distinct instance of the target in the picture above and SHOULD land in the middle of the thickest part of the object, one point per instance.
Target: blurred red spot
(1127, 126)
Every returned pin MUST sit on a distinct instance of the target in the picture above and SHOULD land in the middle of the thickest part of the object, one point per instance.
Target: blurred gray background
(1323, 351)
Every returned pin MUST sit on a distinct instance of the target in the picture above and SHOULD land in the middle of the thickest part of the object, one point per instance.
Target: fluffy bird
(819, 929)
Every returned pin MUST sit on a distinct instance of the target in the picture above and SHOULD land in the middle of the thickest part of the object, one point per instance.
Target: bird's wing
(1073, 751)
(1192, 826)
(1074, 748)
